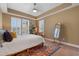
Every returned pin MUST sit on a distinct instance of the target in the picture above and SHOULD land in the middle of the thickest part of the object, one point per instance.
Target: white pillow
(1, 35)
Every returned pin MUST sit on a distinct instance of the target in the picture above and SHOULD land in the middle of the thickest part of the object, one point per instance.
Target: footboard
(28, 51)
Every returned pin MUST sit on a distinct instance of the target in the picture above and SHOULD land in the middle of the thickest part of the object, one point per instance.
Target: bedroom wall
(70, 28)
(0, 20)
(7, 21)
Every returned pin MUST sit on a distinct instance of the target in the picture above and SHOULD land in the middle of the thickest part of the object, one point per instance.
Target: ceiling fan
(34, 9)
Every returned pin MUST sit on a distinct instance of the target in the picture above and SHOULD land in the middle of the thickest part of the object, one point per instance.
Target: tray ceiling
(28, 7)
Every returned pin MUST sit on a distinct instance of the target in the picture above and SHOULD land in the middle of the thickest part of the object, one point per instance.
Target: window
(41, 26)
(19, 25)
(16, 25)
(25, 26)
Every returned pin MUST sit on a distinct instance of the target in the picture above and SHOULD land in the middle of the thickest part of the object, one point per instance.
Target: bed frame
(28, 50)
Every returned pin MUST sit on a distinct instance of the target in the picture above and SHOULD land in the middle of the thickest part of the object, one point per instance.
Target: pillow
(7, 36)
(2, 31)
(1, 38)
(13, 34)
(1, 35)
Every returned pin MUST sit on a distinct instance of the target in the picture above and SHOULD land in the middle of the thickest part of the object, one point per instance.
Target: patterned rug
(47, 50)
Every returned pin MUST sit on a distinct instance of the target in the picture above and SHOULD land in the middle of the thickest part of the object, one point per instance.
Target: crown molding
(73, 5)
(20, 16)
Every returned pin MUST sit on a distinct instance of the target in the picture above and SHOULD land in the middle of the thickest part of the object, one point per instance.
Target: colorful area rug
(46, 50)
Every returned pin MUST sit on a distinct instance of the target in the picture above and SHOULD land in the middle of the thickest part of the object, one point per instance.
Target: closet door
(25, 26)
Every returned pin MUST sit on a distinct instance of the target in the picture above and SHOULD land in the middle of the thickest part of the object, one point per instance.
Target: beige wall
(6, 22)
(70, 28)
(0, 19)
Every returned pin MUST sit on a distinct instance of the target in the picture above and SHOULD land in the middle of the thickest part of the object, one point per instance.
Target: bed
(20, 43)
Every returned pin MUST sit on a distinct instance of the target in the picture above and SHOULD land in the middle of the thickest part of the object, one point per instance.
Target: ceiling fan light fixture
(34, 10)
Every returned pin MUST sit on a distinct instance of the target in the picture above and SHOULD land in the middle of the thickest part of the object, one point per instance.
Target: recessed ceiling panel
(28, 7)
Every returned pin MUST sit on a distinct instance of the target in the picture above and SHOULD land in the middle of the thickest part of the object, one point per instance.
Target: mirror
(56, 33)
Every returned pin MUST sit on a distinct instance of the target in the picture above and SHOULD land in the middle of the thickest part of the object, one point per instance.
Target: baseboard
(65, 43)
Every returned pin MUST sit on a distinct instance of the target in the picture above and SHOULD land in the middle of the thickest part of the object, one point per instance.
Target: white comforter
(20, 43)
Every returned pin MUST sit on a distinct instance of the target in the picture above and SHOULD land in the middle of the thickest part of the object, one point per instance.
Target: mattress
(20, 43)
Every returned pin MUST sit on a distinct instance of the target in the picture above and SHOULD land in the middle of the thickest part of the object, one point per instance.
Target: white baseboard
(65, 43)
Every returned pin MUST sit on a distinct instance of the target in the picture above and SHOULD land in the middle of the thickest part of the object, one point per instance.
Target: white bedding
(20, 43)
